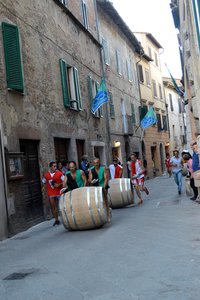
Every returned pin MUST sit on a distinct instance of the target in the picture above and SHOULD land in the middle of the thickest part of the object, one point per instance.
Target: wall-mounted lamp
(117, 143)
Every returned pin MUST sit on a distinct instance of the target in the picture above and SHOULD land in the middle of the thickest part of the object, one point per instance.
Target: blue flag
(101, 97)
(149, 119)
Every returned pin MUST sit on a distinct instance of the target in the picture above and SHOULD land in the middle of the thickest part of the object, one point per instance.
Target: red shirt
(117, 171)
(56, 178)
(133, 168)
(167, 163)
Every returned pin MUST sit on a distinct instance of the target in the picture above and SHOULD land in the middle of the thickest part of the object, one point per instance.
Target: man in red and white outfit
(116, 169)
(137, 176)
(53, 181)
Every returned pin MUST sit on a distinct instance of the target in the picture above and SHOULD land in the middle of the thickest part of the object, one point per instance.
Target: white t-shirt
(177, 161)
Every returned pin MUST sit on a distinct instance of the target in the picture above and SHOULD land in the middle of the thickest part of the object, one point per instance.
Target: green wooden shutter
(77, 89)
(133, 114)
(90, 93)
(65, 85)
(12, 57)
(112, 108)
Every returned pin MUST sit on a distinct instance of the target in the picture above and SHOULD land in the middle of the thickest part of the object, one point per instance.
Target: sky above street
(154, 16)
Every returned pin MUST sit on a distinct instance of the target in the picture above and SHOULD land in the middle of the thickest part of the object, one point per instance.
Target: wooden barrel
(120, 192)
(83, 208)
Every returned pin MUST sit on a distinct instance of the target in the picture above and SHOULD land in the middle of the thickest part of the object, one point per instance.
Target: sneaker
(179, 192)
(193, 198)
(57, 222)
(146, 191)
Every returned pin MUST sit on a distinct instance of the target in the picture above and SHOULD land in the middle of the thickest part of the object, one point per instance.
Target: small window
(164, 121)
(154, 89)
(171, 102)
(149, 51)
(105, 52)
(180, 106)
(119, 63)
(142, 111)
(160, 91)
(159, 126)
(135, 77)
(147, 77)
(156, 58)
(85, 15)
(140, 71)
(128, 70)
(133, 117)
(70, 86)
(111, 103)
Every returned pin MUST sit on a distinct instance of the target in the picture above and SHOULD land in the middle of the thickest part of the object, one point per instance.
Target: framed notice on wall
(14, 164)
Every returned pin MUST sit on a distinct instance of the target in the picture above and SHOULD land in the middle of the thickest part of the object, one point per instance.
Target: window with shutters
(111, 104)
(154, 89)
(160, 91)
(164, 121)
(149, 51)
(133, 117)
(156, 58)
(12, 56)
(159, 125)
(105, 52)
(140, 71)
(142, 111)
(85, 14)
(119, 62)
(128, 70)
(147, 77)
(180, 106)
(92, 92)
(171, 102)
(70, 86)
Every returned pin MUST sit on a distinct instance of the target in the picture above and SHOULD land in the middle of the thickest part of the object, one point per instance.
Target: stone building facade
(186, 15)
(50, 59)
(120, 50)
(155, 140)
(176, 115)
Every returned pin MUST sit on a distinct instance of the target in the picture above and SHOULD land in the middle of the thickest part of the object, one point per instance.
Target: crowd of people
(184, 165)
(64, 177)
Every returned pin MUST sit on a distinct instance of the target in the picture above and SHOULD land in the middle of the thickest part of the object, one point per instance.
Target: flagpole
(142, 132)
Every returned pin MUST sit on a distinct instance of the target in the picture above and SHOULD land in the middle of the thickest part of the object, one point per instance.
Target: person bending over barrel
(74, 178)
(98, 176)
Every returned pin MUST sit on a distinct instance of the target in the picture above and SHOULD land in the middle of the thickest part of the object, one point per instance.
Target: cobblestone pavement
(150, 252)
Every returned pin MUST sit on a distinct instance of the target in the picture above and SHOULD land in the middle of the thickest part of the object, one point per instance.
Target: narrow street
(150, 252)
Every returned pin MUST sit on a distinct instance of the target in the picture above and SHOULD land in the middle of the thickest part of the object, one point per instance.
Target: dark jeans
(195, 189)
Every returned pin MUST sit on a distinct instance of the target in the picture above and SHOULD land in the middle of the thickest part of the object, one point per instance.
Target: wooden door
(32, 206)
(61, 149)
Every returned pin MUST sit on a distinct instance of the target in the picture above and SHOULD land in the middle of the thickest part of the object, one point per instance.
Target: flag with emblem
(100, 98)
(149, 119)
